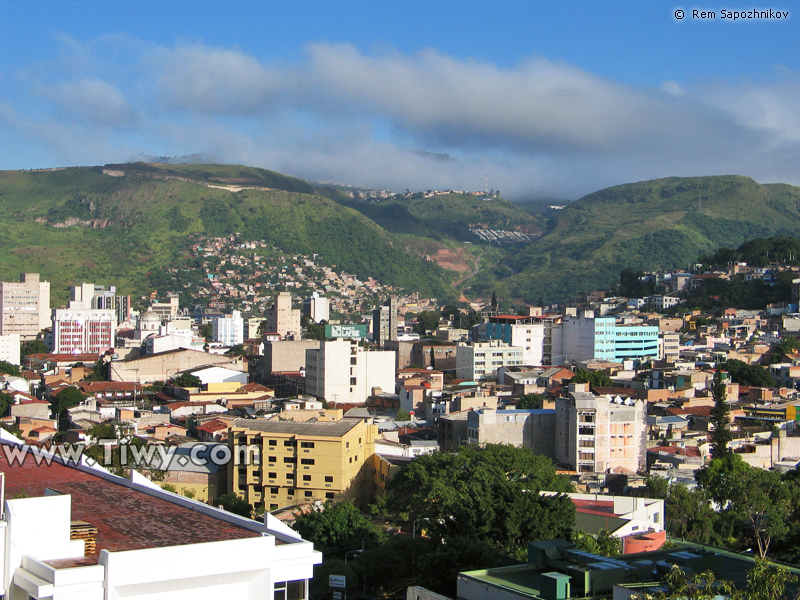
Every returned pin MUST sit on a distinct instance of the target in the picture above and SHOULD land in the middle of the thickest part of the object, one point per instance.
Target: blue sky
(551, 99)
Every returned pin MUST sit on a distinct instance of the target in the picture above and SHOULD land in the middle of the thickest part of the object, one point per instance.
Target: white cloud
(339, 114)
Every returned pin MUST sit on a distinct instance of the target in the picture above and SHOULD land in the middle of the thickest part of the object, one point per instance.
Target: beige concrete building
(482, 360)
(600, 433)
(282, 318)
(162, 366)
(285, 356)
(301, 462)
(24, 306)
(530, 428)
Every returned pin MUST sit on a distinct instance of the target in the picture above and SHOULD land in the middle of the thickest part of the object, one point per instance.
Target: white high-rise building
(9, 348)
(343, 371)
(317, 307)
(24, 306)
(228, 329)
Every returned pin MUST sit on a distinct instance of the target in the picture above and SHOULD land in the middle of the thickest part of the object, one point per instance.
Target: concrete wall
(160, 367)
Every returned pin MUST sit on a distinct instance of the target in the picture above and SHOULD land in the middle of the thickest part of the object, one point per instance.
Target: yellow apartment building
(301, 462)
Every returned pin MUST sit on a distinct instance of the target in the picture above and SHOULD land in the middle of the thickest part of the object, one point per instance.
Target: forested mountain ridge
(656, 224)
(116, 224)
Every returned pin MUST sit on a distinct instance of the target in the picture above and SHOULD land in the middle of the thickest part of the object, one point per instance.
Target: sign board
(337, 595)
(337, 581)
(345, 331)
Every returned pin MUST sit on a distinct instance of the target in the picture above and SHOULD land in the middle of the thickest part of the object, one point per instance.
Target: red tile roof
(699, 411)
(126, 519)
(213, 426)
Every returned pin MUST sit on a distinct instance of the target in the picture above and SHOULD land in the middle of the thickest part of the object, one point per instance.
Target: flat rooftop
(125, 519)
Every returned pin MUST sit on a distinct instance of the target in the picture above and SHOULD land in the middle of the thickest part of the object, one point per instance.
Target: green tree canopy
(720, 419)
(187, 380)
(527, 401)
(784, 347)
(427, 320)
(6, 400)
(753, 375)
(34, 347)
(757, 498)
(232, 503)
(337, 528)
(8, 368)
(490, 493)
(67, 398)
(603, 543)
(595, 379)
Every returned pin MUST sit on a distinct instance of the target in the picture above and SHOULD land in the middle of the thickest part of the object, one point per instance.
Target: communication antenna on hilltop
(487, 184)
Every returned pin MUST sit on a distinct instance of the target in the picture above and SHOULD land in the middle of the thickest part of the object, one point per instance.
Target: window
(308, 493)
(273, 442)
(273, 490)
(306, 461)
(351, 459)
(273, 507)
(290, 590)
(271, 475)
(290, 476)
(347, 444)
(289, 459)
(306, 444)
(306, 477)
(290, 492)
(273, 459)
(328, 479)
(329, 496)
(289, 442)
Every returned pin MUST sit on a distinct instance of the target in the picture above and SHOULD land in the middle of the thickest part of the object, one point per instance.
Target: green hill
(120, 224)
(448, 216)
(665, 223)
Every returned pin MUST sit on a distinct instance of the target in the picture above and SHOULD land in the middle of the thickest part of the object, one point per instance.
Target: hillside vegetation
(79, 224)
(445, 216)
(657, 224)
(126, 224)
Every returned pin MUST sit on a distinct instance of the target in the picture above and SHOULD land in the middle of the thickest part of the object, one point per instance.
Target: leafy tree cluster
(752, 375)
(427, 320)
(232, 503)
(758, 510)
(603, 543)
(67, 398)
(6, 400)
(759, 252)
(337, 529)
(187, 380)
(595, 379)
(765, 581)
(528, 401)
(8, 368)
(786, 346)
(739, 293)
(34, 347)
(489, 493)
(631, 286)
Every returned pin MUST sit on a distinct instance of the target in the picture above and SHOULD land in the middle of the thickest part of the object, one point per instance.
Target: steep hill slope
(446, 215)
(663, 223)
(116, 224)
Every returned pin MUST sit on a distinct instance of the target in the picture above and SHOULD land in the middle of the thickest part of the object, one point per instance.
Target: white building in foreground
(134, 540)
